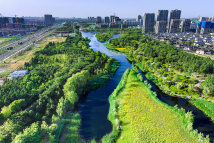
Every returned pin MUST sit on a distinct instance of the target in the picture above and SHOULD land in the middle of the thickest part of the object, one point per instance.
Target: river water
(94, 106)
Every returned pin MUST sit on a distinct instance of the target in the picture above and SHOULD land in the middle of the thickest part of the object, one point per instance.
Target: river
(94, 106)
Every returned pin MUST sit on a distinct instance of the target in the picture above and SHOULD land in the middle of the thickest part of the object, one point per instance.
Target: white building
(19, 73)
(203, 51)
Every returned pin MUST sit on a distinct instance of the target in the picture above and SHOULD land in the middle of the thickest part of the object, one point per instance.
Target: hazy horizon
(94, 8)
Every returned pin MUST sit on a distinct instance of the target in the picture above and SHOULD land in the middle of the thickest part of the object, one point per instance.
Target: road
(24, 46)
(25, 39)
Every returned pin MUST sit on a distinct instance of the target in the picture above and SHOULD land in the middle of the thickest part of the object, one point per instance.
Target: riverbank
(138, 116)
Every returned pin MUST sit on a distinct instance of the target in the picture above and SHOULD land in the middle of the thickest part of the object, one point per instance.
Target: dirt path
(199, 81)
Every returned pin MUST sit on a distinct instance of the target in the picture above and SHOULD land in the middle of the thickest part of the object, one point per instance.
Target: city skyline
(84, 9)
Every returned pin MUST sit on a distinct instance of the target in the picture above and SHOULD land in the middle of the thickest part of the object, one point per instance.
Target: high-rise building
(141, 22)
(185, 25)
(160, 27)
(174, 14)
(198, 29)
(48, 20)
(174, 25)
(116, 18)
(138, 18)
(3, 21)
(202, 19)
(212, 27)
(148, 22)
(205, 26)
(53, 19)
(99, 20)
(111, 18)
(162, 15)
(18, 20)
(107, 20)
(161, 23)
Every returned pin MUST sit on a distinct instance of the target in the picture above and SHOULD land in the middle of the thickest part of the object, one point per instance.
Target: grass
(138, 116)
(206, 106)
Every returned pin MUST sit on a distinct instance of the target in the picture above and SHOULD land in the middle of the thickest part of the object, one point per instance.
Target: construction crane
(7, 29)
(113, 19)
(17, 21)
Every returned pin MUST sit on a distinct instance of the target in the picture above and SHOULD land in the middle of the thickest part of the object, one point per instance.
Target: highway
(24, 39)
(25, 45)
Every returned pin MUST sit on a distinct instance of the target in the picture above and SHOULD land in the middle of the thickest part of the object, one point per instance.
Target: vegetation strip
(57, 75)
(139, 116)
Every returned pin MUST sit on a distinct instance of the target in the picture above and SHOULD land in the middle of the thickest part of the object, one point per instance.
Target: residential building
(99, 20)
(18, 20)
(107, 20)
(141, 22)
(174, 14)
(114, 25)
(174, 25)
(161, 23)
(162, 15)
(205, 26)
(112, 18)
(160, 27)
(202, 19)
(185, 25)
(18, 73)
(212, 27)
(48, 20)
(204, 51)
(198, 29)
(193, 25)
(91, 19)
(148, 22)
(3, 21)
(116, 18)
(53, 19)
(139, 17)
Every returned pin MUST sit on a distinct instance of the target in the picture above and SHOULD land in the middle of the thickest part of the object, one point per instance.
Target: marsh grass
(144, 118)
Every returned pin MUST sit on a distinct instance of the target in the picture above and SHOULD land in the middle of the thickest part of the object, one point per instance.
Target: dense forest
(143, 48)
(103, 37)
(57, 75)
(67, 27)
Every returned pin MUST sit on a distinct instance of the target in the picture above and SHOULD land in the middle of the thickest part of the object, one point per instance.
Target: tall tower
(48, 20)
(138, 18)
(107, 20)
(185, 25)
(112, 18)
(174, 14)
(161, 23)
(99, 20)
(148, 22)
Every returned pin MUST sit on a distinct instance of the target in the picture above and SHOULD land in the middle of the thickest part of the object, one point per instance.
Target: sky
(94, 8)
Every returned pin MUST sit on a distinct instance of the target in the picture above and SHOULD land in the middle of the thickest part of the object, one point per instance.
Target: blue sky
(122, 8)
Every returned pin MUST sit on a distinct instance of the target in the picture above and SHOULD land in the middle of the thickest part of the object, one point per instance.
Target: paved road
(24, 46)
(24, 39)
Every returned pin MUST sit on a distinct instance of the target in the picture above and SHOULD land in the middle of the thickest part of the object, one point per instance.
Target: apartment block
(161, 23)
(160, 27)
(174, 25)
(99, 20)
(48, 20)
(162, 15)
(185, 25)
(107, 20)
(139, 17)
(174, 14)
(148, 22)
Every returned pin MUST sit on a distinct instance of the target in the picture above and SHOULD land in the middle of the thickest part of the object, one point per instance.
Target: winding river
(94, 106)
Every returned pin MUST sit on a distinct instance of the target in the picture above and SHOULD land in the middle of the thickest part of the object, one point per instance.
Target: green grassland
(139, 116)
